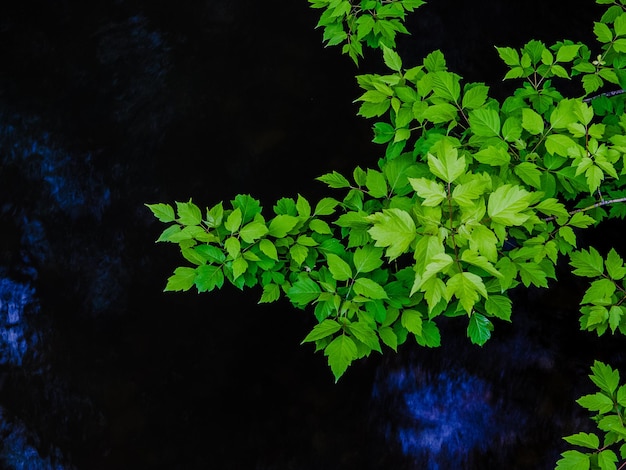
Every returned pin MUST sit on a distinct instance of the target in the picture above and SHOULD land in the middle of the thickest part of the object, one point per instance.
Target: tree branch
(593, 206)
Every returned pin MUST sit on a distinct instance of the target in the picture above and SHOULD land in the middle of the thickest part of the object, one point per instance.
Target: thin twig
(604, 202)
(608, 94)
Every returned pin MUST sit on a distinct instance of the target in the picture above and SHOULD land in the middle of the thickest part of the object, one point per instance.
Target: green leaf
(391, 59)
(214, 216)
(322, 330)
(321, 227)
(232, 245)
(616, 312)
(376, 184)
(367, 259)
(233, 221)
(370, 110)
(248, 206)
(506, 204)
(596, 402)
(472, 257)
(412, 321)
(559, 144)
(602, 32)
(494, 156)
(581, 220)
(552, 206)
(621, 395)
(431, 191)
(388, 337)
(446, 86)
(532, 121)
(512, 129)
(430, 337)
(208, 277)
(339, 269)
(615, 265)
(253, 231)
(620, 25)
(269, 249)
(298, 253)
(326, 206)
(479, 328)
(182, 279)
(393, 229)
(567, 53)
(607, 459)
(383, 132)
(591, 83)
(368, 288)
(364, 333)
(439, 113)
(168, 233)
(271, 293)
(211, 253)
(341, 352)
(240, 265)
(303, 207)
(499, 306)
(334, 180)
(466, 286)
(434, 264)
(509, 55)
(475, 97)
(281, 225)
(604, 377)
(435, 61)
(448, 167)
(485, 122)
(188, 213)
(573, 460)
(304, 291)
(599, 293)
(583, 439)
(532, 273)
(529, 173)
(163, 212)
(587, 263)
(484, 241)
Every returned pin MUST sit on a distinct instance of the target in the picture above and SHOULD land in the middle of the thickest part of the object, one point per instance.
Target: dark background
(105, 106)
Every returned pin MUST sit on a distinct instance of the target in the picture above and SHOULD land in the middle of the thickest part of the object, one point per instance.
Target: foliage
(609, 404)
(471, 198)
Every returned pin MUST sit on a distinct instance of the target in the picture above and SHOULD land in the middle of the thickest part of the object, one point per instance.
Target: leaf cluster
(600, 452)
(353, 23)
(471, 197)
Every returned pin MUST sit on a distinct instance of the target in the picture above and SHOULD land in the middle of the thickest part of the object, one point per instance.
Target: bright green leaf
(182, 279)
(163, 212)
(339, 269)
(393, 229)
(322, 330)
(341, 352)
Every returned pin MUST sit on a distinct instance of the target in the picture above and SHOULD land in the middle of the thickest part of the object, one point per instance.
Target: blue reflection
(442, 420)
(15, 300)
(16, 450)
(17, 341)
(452, 415)
(70, 183)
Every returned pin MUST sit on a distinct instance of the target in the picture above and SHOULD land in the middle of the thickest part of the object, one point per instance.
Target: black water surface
(107, 105)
